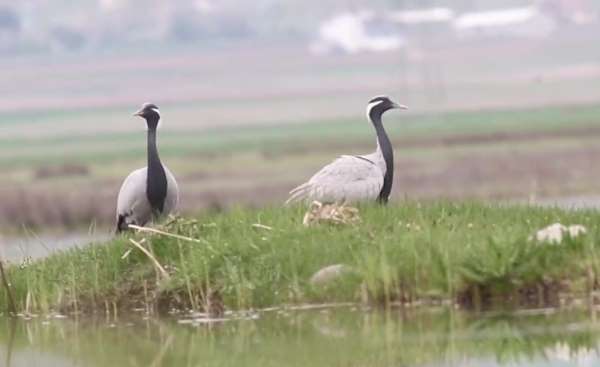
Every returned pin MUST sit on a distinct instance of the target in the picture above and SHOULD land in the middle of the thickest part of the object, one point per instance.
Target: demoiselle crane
(352, 178)
(149, 192)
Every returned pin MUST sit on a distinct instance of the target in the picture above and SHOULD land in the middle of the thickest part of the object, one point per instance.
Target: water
(329, 337)
(34, 246)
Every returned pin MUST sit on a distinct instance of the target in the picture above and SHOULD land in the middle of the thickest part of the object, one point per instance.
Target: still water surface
(35, 246)
(329, 337)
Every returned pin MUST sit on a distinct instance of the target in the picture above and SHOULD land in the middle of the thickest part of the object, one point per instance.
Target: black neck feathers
(156, 181)
(386, 150)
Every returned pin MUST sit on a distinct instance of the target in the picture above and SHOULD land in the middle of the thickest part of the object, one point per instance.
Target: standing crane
(149, 192)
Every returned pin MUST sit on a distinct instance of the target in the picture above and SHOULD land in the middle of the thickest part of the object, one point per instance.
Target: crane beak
(138, 113)
(399, 106)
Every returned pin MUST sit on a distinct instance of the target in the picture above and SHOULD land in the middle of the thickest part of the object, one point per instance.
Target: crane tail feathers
(123, 223)
(298, 194)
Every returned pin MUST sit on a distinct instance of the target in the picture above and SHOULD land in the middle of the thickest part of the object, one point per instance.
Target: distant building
(426, 16)
(569, 11)
(356, 32)
(414, 22)
(524, 22)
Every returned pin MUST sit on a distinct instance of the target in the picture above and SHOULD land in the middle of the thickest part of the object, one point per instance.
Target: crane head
(381, 104)
(150, 112)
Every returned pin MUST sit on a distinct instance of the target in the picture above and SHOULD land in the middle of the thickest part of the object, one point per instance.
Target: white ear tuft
(370, 106)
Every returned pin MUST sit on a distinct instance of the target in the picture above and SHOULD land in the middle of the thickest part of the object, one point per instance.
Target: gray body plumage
(355, 178)
(347, 179)
(149, 192)
(133, 204)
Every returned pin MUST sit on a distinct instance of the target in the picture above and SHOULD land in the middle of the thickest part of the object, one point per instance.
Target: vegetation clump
(470, 254)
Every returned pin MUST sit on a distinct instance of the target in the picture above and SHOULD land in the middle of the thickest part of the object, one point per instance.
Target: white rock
(554, 233)
(329, 274)
(577, 230)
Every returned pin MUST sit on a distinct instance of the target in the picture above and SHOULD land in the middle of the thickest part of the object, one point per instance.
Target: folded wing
(347, 179)
(132, 204)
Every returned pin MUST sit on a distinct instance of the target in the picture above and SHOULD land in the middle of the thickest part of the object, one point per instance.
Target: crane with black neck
(352, 178)
(150, 192)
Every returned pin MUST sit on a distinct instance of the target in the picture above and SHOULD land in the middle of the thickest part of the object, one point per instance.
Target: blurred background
(504, 99)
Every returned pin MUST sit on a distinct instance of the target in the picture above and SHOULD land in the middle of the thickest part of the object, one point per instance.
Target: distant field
(277, 84)
(489, 154)
(244, 126)
(102, 147)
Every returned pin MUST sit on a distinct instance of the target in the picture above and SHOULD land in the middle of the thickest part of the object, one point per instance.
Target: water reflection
(340, 337)
(12, 328)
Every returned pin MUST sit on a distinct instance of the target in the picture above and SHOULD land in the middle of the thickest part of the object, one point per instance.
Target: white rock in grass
(554, 233)
(576, 230)
(330, 274)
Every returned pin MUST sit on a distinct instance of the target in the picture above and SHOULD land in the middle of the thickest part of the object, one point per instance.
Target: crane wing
(348, 178)
(132, 204)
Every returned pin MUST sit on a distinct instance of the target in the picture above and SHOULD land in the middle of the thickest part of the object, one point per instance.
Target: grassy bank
(470, 253)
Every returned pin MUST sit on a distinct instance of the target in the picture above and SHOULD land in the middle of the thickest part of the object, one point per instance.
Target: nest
(337, 214)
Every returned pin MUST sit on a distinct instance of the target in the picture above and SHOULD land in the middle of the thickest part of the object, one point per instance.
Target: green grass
(470, 252)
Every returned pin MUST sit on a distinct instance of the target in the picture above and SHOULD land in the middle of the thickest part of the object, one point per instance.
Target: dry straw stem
(162, 233)
(160, 268)
(262, 226)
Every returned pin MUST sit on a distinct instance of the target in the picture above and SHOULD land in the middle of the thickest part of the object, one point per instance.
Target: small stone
(554, 233)
(577, 230)
(329, 274)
